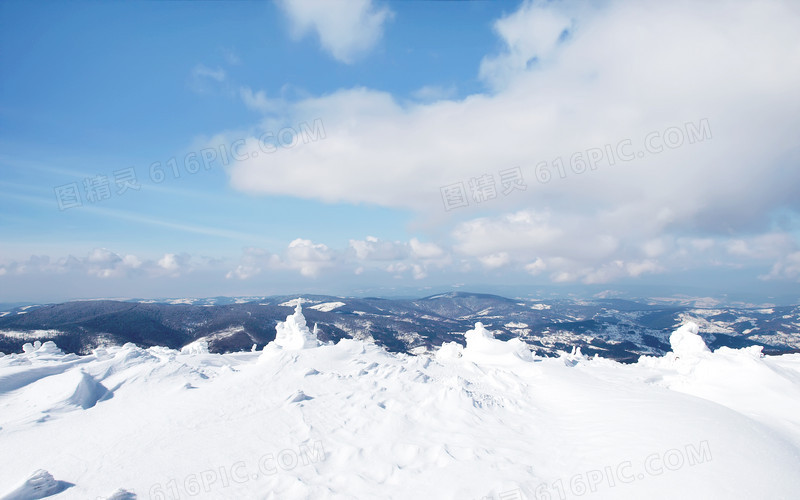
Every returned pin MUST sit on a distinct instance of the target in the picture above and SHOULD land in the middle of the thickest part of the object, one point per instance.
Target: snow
(31, 333)
(483, 348)
(686, 343)
(294, 333)
(40, 484)
(540, 306)
(199, 346)
(181, 301)
(304, 420)
(327, 306)
(294, 302)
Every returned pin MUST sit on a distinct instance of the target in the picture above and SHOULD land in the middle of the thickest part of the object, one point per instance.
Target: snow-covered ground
(327, 306)
(302, 419)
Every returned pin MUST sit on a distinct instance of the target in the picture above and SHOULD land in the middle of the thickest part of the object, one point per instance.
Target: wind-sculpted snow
(482, 347)
(294, 333)
(303, 419)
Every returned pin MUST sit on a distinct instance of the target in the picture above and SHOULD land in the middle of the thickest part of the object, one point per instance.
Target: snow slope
(305, 420)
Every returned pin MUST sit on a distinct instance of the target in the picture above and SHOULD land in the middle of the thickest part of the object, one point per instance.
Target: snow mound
(327, 306)
(40, 484)
(88, 392)
(293, 333)
(483, 348)
(686, 343)
(199, 346)
(449, 351)
(121, 494)
(299, 396)
(351, 420)
(38, 349)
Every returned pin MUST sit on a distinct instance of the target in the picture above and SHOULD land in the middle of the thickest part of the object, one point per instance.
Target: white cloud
(422, 250)
(536, 267)
(769, 245)
(530, 34)
(372, 248)
(346, 30)
(495, 260)
(202, 71)
(623, 72)
(606, 84)
(308, 257)
(253, 262)
(398, 269)
(174, 265)
(104, 263)
(788, 267)
(435, 93)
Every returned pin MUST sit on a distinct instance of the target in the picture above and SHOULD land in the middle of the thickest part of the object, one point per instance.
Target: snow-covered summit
(294, 333)
(351, 420)
(483, 348)
(686, 343)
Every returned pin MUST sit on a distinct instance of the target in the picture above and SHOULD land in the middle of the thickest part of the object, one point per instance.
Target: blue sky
(405, 146)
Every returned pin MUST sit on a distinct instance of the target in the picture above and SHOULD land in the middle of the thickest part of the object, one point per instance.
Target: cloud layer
(347, 30)
(635, 127)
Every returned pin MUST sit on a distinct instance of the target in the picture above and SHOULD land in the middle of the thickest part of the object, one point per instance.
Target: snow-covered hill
(613, 328)
(303, 419)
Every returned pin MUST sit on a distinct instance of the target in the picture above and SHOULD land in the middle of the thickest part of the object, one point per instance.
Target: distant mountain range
(612, 328)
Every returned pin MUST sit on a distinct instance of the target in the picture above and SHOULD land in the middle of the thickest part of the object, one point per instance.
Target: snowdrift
(306, 420)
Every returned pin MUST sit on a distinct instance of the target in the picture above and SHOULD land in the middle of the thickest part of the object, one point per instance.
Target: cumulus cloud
(346, 30)
(174, 264)
(308, 257)
(530, 34)
(372, 248)
(302, 255)
(604, 85)
(104, 264)
(638, 142)
(313, 260)
(253, 262)
(425, 250)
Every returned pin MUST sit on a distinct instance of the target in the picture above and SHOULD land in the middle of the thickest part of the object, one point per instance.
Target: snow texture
(351, 420)
(294, 333)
